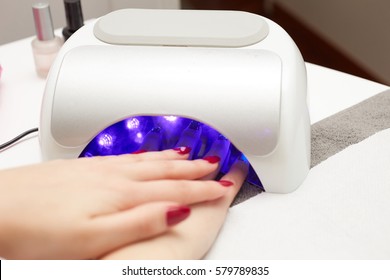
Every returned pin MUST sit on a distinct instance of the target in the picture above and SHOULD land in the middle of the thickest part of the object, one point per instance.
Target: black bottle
(74, 17)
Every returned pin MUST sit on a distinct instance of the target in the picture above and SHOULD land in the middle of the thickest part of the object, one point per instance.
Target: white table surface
(21, 92)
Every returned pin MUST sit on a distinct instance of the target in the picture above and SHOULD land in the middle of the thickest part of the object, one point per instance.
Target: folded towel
(333, 134)
(341, 211)
(349, 126)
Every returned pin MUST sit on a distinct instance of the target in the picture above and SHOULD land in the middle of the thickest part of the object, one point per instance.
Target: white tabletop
(21, 92)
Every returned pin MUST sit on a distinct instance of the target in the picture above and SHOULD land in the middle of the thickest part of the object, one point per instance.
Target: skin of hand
(85, 208)
(192, 238)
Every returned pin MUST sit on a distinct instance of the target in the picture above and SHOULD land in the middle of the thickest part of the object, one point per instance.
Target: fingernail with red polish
(141, 151)
(176, 214)
(182, 150)
(226, 183)
(212, 159)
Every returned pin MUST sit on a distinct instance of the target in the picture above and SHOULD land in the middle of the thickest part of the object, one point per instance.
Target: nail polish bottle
(46, 45)
(74, 17)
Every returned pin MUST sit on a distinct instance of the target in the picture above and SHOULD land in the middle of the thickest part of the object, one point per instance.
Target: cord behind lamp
(74, 17)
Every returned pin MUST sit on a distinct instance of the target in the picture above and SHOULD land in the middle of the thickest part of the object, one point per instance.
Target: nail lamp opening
(221, 75)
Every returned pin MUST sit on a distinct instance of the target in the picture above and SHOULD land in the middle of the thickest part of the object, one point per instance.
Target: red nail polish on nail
(176, 214)
(226, 183)
(139, 151)
(212, 159)
(183, 150)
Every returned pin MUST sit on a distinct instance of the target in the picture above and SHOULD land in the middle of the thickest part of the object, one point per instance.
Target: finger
(192, 239)
(190, 137)
(181, 152)
(180, 191)
(236, 175)
(136, 224)
(169, 169)
(220, 149)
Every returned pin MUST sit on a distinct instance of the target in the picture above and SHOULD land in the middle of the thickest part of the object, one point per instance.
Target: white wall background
(16, 20)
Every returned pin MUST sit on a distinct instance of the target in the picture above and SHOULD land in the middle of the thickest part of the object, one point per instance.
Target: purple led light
(160, 133)
(132, 123)
(139, 137)
(105, 140)
(170, 118)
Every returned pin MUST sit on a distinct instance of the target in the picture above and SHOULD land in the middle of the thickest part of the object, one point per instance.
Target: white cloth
(342, 211)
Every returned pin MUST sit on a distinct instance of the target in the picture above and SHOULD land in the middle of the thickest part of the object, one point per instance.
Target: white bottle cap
(43, 21)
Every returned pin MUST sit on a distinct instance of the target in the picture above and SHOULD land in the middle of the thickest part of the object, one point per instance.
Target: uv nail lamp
(155, 79)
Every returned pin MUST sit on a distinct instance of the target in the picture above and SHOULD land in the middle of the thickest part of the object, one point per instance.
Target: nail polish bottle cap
(43, 21)
(74, 14)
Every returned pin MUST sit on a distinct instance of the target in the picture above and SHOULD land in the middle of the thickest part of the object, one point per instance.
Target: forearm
(3, 212)
(11, 201)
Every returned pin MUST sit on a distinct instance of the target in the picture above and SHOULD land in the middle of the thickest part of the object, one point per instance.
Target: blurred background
(347, 35)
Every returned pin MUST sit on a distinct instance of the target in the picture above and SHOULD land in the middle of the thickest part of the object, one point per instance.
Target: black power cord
(17, 138)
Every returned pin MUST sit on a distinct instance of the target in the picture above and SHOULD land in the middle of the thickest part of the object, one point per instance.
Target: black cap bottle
(74, 17)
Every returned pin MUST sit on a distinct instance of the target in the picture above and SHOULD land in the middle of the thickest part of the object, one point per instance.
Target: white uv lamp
(155, 79)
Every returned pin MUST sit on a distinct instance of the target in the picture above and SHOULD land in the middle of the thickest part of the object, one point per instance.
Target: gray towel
(349, 126)
(333, 134)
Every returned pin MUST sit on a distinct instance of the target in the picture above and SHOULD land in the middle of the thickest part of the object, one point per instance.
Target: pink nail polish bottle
(46, 45)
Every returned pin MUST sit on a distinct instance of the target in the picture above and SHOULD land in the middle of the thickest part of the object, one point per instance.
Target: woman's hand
(193, 238)
(86, 208)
